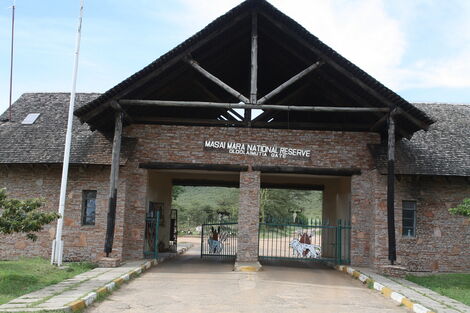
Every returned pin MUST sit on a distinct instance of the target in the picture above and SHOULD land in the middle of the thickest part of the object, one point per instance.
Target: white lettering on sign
(233, 147)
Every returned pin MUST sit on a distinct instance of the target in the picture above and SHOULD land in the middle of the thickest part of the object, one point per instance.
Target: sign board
(253, 149)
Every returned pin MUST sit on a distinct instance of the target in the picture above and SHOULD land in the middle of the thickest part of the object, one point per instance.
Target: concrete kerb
(387, 292)
(91, 297)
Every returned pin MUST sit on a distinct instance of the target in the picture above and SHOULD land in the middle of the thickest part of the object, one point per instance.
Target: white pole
(57, 244)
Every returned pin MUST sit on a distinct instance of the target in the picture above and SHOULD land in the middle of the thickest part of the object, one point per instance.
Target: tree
(177, 190)
(462, 209)
(23, 216)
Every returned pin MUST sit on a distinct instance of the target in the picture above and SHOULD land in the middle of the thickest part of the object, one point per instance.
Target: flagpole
(57, 244)
(11, 57)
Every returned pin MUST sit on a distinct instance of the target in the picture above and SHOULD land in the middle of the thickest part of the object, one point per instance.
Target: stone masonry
(248, 217)
(441, 243)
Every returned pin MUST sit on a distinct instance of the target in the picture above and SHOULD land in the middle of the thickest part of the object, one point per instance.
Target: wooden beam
(392, 253)
(188, 104)
(379, 123)
(307, 170)
(292, 186)
(187, 121)
(336, 66)
(194, 166)
(236, 184)
(412, 119)
(177, 58)
(289, 82)
(206, 183)
(116, 106)
(287, 99)
(254, 64)
(94, 112)
(313, 126)
(209, 93)
(216, 80)
(113, 184)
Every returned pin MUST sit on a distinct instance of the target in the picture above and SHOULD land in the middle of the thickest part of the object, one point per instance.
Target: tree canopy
(23, 216)
(197, 205)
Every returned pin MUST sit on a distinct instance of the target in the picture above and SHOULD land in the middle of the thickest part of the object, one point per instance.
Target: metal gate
(219, 239)
(152, 222)
(310, 240)
(173, 230)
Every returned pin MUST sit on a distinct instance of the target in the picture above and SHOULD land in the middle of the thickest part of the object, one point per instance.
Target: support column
(113, 182)
(392, 253)
(254, 65)
(248, 217)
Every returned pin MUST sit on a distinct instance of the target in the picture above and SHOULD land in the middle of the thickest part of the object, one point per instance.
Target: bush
(23, 216)
(462, 209)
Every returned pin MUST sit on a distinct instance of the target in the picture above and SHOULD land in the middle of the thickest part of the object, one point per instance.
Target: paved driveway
(189, 284)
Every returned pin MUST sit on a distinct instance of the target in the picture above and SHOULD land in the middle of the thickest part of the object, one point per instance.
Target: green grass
(29, 274)
(455, 286)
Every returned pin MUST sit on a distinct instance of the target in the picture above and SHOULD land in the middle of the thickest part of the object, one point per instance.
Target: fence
(152, 222)
(311, 240)
(219, 239)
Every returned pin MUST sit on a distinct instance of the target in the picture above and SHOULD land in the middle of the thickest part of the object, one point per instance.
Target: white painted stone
(378, 286)
(90, 298)
(363, 277)
(110, 286)
(418, 308)
(396, 296)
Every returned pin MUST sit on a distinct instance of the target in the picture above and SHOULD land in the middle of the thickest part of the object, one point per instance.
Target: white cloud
(365, 33)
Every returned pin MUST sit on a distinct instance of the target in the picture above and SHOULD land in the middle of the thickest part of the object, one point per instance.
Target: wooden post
(392, 253)
(254, 64)
(113, 182)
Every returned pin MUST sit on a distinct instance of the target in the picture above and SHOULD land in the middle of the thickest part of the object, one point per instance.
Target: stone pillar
(248, 217)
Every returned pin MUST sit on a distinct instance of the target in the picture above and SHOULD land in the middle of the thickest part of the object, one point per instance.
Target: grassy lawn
(455, 286)
(29, 274)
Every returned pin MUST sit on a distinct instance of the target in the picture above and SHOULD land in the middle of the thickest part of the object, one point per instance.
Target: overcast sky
(419, 48)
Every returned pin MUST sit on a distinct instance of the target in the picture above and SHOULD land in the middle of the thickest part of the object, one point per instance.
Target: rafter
(289, 82)
(216, 80)
(342, 70)
(286, 99)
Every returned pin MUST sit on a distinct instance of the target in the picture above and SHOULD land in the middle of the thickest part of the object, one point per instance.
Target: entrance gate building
(255, 94)
(253, 100)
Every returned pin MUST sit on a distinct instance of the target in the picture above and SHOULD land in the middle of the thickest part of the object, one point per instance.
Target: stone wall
(442, 239)
(81, 242)
(183, 144)
(248, 217)
(441, 243)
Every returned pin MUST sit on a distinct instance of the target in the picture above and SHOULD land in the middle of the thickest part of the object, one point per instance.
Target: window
(409, 218)
(30, 118)
(89, 207)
